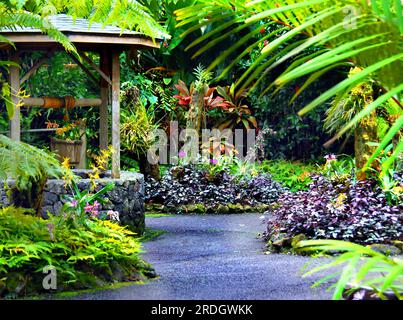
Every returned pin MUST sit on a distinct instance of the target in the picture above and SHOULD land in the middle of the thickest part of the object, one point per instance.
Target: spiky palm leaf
(361, 33)
(362, 267)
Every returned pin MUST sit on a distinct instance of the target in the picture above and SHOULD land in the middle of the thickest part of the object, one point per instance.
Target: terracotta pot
(67, 149)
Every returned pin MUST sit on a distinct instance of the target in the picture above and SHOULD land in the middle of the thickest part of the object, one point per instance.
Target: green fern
(202, 76)
(29, 167)
(123, 13)
(81, 254)
(25, 163)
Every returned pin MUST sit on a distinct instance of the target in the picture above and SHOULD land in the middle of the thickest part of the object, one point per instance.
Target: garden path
(216, 257)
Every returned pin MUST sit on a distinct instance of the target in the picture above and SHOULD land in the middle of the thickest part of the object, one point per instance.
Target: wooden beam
(15, 125)
(115, 115)
(31, 131)
(83, 67)
(37, 64)
(96, 68)
(40, 102)
(105, 64)
(35, 39)
(113, 39)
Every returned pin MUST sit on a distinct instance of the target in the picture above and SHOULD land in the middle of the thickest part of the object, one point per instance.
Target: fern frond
(25, 163)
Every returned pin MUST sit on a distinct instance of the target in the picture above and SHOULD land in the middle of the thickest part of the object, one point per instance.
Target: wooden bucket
(67, 149)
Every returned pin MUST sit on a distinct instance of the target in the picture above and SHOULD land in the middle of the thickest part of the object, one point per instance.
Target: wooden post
(15, 125)
(83, 155)
(115, 115)
(103, 109)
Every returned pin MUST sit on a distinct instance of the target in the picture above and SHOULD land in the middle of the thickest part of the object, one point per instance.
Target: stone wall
(127, 197)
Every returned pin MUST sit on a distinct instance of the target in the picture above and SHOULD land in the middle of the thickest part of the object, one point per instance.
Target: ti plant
(198, 98)
(363, 268)
(238, 112)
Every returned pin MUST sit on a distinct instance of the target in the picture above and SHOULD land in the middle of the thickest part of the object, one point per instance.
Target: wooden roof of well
(81, 33)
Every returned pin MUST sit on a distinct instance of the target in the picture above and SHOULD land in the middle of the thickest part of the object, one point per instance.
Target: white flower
(113, 215)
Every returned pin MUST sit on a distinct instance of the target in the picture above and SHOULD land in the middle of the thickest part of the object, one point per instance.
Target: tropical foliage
(83, 255)
(29, 167)
(363, 270)
(296, 72)
(348, 33)
(293, 175)
(211, 189)
(137, 124)
(337, 209)
(33, 14)
(238, 111)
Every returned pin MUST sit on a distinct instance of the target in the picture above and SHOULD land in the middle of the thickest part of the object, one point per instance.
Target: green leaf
(394, 274)
(167, 81)
(272, 12)
(355, 79)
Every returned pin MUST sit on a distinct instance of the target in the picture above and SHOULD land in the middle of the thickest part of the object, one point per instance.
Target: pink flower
(330, 157)
(182, 154)
(96, 204)
(266, 42)
(88, 208)
(73, 203)
(213, 161)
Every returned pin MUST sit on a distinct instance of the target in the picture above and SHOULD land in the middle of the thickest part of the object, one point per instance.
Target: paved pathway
(216, 257)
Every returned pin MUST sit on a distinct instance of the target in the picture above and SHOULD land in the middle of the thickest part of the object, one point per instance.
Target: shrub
(83, 255)
(338, 209)
(293, 175)
(185, 185)
(261, 189)
(296, 137)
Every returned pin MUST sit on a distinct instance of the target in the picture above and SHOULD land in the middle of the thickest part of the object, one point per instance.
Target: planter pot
(67, 149)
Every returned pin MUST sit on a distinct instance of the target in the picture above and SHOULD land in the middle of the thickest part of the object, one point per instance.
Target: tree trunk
(365, 132)
(149, 170)
(30, 198)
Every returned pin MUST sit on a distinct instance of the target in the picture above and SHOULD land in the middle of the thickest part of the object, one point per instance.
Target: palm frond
(361, 267)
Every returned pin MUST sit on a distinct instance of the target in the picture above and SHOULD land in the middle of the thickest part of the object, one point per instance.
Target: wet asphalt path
(216, 257)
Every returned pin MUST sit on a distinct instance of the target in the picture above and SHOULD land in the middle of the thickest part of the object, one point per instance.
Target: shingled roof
(80, 31)
(65, 23)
